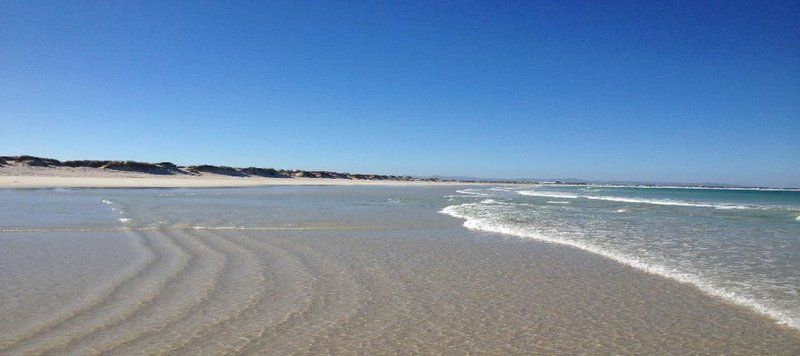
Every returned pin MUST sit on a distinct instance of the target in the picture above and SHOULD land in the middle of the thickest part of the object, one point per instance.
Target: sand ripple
(207, 291)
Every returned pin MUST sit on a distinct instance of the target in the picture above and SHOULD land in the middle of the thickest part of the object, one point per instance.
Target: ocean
(742, 245)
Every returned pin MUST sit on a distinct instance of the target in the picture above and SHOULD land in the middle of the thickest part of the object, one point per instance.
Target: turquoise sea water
(740, 245)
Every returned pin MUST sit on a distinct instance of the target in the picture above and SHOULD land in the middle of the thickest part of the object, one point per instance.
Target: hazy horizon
(679, 92)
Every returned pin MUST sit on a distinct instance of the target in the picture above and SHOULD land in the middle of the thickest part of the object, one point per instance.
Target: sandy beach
(69, 177)
(328, 269)
(399, 178)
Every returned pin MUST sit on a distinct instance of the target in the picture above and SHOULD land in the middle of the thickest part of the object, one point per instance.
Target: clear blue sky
(661, 91)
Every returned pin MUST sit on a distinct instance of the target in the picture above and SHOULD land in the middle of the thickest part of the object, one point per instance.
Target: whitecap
(642, 201)
(471, 192)
(490, 201)
(755, 189)
(502, 189)
(667, 202)
(535, 193)
(494, 224)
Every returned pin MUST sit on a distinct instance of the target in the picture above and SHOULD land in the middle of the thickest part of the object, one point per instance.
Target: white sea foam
(505, 203)
(639, 200)
(495, 224)
(668, 202)
(536, 193)
(557, 202)
(502, 189)
(471, 192)
(797, 218)
(124, 220)
(755, 189)
(623, 210)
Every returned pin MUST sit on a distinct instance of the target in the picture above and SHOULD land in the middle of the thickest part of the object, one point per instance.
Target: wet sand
(424, 285)
(209, 292)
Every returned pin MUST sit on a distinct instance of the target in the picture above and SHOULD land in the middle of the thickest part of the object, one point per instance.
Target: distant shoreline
(23, 177)
(37, 172)
(45, 181)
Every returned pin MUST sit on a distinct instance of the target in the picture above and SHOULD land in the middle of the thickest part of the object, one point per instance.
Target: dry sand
(68, 177)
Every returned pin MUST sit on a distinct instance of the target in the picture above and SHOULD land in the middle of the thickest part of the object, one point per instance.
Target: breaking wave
(640, 200)
(535, 193)
(480, 217)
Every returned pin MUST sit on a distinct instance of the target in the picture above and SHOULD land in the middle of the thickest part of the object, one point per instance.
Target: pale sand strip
(83, 177)
(186, 182)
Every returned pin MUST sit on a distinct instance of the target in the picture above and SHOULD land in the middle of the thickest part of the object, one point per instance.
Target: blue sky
(661, 91)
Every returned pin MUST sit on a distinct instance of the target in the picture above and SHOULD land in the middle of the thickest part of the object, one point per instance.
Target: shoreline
(631, 262)
(27, 177)
(563, 280)
(44, 182)
(317, 264)
(30, 172)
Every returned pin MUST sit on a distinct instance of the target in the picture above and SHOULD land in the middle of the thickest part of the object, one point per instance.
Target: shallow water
(742, 245)
(337, 270)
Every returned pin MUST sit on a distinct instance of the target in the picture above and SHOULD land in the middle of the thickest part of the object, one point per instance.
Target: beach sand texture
(83, 177)
(329, 270)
